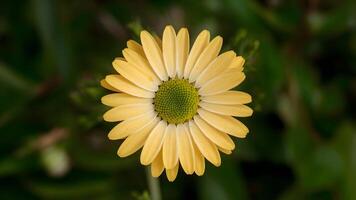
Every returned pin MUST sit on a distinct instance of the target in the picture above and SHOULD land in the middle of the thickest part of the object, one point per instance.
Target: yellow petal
(185, 149)
(225, 151)
(157, 166)
(133, 45)
(230, 110)
(127, 111)
(131, 73)
(206, 147)
(153, 143)
(219, 138)
(208, 55)
(222, 83)
(120, 83)
(199, 162)
(225, 124)
(172, 173)
(182, 50)
(228, 98)
(107, 86)
(199, 45)
(117, 99)
(120, 58)
(158, 40)
(141, 64)
(216, 67)
(169, 50)
(237, 64)
(154, 55)
(131, 126)
(136, 140)
(170, 153)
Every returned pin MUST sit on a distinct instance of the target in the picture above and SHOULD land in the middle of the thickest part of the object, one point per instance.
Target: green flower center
(176, 101)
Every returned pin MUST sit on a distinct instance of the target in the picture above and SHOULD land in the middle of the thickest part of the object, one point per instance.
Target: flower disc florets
(176, 101)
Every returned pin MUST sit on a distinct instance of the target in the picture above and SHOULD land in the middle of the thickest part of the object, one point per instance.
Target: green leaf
(345, 144)
(75, 189)
(16, 165)
(55, 44)
(321, 170)
(16, 81)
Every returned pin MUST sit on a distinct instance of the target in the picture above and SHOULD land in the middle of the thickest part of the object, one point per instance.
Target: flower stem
(153, 185)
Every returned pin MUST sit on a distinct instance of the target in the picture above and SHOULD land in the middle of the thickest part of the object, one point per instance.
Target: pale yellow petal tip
(199, 173)
(249, 98)
(241, 59)
(230, 53)
(120, 153)
(245, 133)
(128, 42)
(250, 114)
(144, 161)
(116, 62)
(169, 27)
(156, 172)
(131, 42)
(233, 147)
(172, 173)
(190, 172)
(205, 32)
(144, 34)
(106, 117)
(109, 77)
(171, 179)
(217, 41)
(111, 137)
(171, 176)
(217, 163)
(243, 76)
(225, 151)
(128, 51)
(241, 62)
(183, 29)
(102, 100)
(155, 175)
(107, 86)
(103, 83)
(120, 58)
(219, 38)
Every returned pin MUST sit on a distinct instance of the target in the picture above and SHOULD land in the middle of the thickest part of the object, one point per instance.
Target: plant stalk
(153, 185)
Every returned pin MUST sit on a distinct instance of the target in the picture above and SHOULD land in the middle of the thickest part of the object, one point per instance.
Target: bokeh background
(301, 67)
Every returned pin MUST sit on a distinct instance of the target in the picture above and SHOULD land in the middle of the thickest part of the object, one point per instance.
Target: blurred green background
(301, 72)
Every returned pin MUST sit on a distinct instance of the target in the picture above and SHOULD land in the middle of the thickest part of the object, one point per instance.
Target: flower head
(176, 102)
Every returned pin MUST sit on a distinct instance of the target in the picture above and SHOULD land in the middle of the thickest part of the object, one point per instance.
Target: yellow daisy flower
(176, 102)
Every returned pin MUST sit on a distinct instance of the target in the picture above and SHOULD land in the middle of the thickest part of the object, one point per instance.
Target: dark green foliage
(300, 69)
